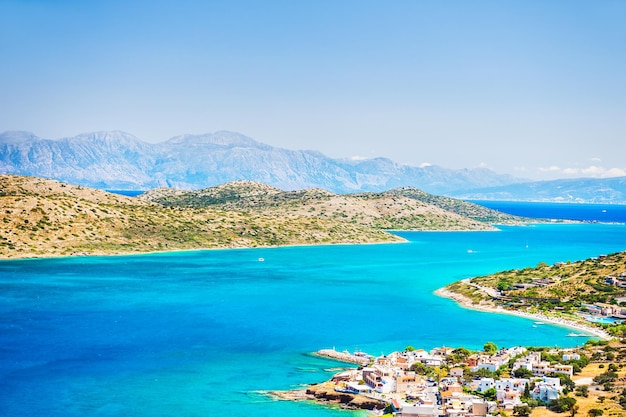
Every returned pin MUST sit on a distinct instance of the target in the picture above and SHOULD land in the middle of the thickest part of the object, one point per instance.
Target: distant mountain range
(581, 190)
(118, 160)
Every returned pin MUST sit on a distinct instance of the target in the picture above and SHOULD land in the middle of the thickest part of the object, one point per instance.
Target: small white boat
(261, 259)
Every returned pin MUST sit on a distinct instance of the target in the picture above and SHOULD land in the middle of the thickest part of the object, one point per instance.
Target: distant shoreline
(400, 240)
(466, 303)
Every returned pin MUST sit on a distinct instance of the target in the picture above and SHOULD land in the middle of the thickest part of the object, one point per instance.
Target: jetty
(358, 358)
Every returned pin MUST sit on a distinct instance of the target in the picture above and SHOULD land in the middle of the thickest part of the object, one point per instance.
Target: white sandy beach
(578, 327)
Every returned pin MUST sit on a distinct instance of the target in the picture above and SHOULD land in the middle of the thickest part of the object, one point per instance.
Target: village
(418, 383)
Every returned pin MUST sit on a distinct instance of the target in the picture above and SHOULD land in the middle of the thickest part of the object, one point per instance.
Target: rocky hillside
(45, 218)
(42, 217)
(118, 160)
(386, 210)
(460, 207)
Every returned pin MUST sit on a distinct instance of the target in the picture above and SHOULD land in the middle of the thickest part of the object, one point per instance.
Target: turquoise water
(204, 333)
(605, 320)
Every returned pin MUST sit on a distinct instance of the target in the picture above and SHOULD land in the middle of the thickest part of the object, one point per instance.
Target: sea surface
(208, 333)
(604, 213)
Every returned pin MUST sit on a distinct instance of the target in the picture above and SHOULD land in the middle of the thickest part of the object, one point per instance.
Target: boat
(576, 335)
(261, 259)
(539, 322)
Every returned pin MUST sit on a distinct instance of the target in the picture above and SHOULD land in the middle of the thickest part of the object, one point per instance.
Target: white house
(512, 384)
(485, 384)
(570, 357)
(547, 389)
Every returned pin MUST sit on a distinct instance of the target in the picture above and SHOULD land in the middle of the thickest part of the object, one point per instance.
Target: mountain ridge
(121, 161)
(118, 160)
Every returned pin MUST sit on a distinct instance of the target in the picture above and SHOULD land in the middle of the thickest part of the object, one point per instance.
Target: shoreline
(466, 303)
(400, 240)
(324, 393)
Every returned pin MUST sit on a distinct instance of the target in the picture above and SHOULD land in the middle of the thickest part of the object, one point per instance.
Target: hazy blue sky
(536, 89)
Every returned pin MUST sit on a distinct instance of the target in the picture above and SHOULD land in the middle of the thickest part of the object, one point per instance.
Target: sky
(534, 89)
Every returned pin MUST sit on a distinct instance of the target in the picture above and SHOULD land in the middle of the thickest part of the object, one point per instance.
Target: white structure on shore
(390, 378)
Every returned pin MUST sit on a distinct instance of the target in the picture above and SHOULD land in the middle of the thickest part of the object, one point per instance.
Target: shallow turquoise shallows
(206, 333)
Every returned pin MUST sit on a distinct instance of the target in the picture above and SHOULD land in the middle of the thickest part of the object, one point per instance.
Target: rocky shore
(325, 393)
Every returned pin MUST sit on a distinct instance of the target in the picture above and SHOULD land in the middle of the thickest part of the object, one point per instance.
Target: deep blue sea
(606, 213)
(205, 333)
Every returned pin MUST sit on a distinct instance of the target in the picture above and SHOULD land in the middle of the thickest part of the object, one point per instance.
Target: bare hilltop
(43, 217)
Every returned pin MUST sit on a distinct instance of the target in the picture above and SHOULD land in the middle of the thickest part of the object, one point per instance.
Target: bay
(205, 333)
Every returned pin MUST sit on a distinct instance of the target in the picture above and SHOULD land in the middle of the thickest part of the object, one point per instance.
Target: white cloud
(616, 172)
(592, 171)
(595, 172)
(425, 164)
(601, 172)
(596, 159)
(552, 168)
(358, 158)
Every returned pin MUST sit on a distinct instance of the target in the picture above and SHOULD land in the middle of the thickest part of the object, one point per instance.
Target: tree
(582, 390)
(489, 394)
(440, 372)
(409, 348)
(490, 348)
(521, 411)
(526, 391)
(459, 355)
(421, 369)
(562, 405)
(523, 373)
(603, 378)
(595, 412)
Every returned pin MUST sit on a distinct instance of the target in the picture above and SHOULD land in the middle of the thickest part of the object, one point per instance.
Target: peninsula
(452, 382)
(42, 217)
(588, 296)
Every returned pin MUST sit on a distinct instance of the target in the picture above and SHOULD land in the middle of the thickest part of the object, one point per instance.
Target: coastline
(30, 256)
(325, 393)
(466, 303)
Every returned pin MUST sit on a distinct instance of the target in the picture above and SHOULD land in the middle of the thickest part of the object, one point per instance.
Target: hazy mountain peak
(220, 138)
(108, 137)
(17, 136)
(118, 160)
